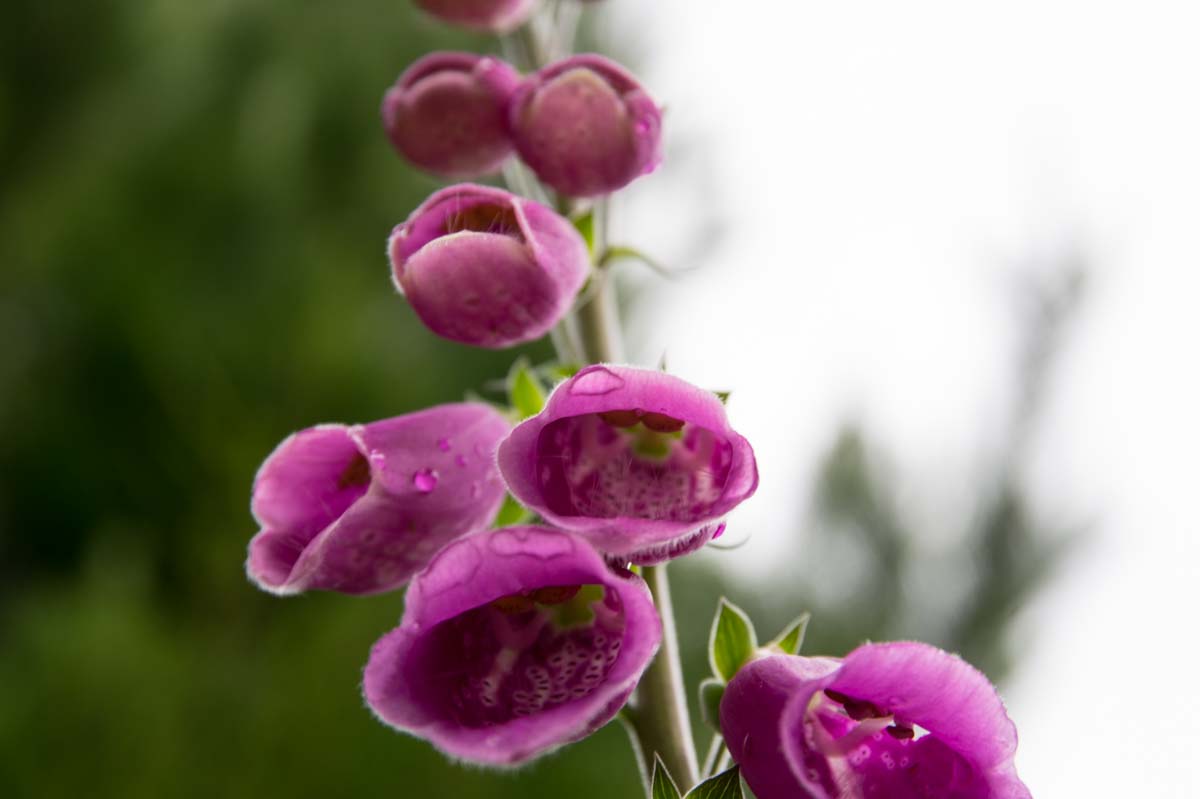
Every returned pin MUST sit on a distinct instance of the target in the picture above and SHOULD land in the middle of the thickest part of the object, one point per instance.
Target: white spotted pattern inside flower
(631, 464)
(517, 656)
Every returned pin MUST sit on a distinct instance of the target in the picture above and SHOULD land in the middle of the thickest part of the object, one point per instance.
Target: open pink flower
(513, 642)
(641, 463)
(448, 113)
(485, 267)
(360, 509)
(901, 720)
(585, 126)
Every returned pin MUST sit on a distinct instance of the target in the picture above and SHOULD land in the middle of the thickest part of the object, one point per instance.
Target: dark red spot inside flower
(554, 594)
(357, 473)
(485, 218)
(857, 709)
(513, 604)
(620, 418)
(900, 732)
(661, 423)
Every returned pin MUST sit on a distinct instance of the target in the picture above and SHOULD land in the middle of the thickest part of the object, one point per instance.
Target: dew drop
(443, 444)
(425, 480)
(596, 380)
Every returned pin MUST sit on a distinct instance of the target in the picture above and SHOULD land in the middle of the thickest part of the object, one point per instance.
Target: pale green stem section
(716, 751)
(660, 716)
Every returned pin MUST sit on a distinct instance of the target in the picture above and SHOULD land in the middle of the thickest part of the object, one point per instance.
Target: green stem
(716, 750)
(599, 327)
(660, 717)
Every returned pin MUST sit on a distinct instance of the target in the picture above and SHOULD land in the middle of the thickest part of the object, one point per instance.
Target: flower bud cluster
(584, 125)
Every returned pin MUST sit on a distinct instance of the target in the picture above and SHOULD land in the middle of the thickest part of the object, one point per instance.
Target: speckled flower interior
(522, 654)
(632, 463)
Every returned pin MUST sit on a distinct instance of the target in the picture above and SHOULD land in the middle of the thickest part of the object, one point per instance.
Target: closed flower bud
(902, 720)
(485, 267)
(448, 113)
(513, 642)
(360, 509)
(641, 463)
(585, 126)
(497, 16)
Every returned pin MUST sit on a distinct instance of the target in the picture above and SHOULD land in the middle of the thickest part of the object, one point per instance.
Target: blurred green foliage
(194, 199)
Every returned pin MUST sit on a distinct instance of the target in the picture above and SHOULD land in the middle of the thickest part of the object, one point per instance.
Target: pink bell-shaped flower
(513, 642)
(902, 720)
(360, 509)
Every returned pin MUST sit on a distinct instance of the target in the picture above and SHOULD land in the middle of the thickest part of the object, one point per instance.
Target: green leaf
(661, 784)
(511, 512)
(792, 638)
(726, 785)
(712, 691)
(525, 392)
(723, 396)
(732, 641)
(586, 225)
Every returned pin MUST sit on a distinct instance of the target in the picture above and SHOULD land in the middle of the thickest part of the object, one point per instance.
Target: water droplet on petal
(596, 380)
(443, 444)
(425, 480)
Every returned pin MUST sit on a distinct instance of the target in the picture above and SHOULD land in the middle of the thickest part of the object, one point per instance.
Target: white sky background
(879, 168)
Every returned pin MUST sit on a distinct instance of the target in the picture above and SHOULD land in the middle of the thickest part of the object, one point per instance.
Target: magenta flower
(585, 126)
(448, 113)
(360, 509)
(513, 642)
(498, 16)
(482, 266)
(900, 720)
(641, 463)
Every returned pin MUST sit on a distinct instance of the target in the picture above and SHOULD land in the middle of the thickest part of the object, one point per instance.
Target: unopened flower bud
(447, 113)
(498, 16)
(485, 267)
(585, 126)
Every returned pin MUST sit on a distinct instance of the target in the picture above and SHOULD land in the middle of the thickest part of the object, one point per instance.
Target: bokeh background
(944, 257)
